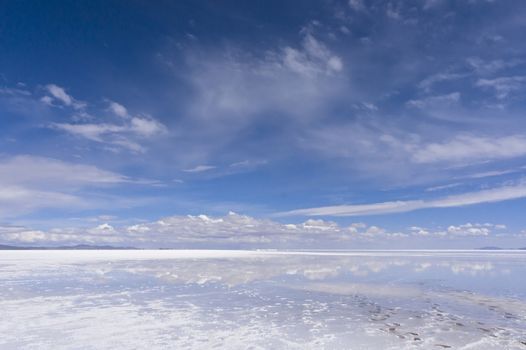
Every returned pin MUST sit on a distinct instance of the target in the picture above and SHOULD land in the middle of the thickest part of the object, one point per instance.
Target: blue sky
(263, 124)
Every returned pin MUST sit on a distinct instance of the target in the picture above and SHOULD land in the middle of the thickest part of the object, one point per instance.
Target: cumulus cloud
(229, 229)
(235, 230)
(470, 229)
(463, 230)
(497, 194)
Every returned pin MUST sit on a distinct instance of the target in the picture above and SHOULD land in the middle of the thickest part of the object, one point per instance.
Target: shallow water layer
(263, 300)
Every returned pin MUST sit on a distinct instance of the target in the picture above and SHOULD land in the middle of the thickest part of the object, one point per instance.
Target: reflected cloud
(241, 299)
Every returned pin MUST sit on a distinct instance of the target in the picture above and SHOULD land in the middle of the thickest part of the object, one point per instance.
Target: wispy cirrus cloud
(199, 169)
(486, 67)
(30, 183)
(116, 134)
(497, 194)
(468, 148)
(357, 5)
(29, 170)
(435, 101)
(295, 80)
(234, 88)
(503, 86)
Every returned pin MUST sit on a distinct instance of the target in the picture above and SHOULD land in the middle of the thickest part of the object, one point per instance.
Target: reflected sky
(240, 300)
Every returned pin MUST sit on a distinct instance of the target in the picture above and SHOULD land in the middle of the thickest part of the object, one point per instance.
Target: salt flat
(200, 299)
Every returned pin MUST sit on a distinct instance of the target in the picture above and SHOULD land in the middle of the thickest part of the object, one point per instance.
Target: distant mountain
(10, 247)
(499, 248)
(73, 247)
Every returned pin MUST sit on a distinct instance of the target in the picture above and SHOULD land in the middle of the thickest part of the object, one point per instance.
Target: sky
(263, 124)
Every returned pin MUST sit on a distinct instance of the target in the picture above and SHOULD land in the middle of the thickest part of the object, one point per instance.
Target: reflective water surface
(262, 300)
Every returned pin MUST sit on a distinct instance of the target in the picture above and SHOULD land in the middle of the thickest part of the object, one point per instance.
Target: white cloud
(470, 230)
(357, 5)
(428, 82)
(315, 58)
(443, 187)
(470, 198)
(229, 229)
(387, 153)
(419, 231)
(435, 101)
(93, 132)
(393, 12)
(503, 86)
(234, 88)
(114, 134)
(248, 163)
(146, 127)
(320, 225)
(17, 199)
(488, 67)
(375, 230)
(59, 94)
(358, 209)
(118, 109)
(127, 144)
(462, 230)
(471, 148)
(429, 4)
(20, 234)
(199, 168)
(30, 170)
(121, 135)
(490, 173)
(29, 183)
(370, 106)
(14, 92)
(233, 229)
(105, 229)
(294, 80)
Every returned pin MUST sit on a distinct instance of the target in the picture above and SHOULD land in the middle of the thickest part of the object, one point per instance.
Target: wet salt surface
(262, 300)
